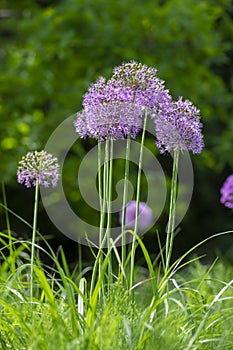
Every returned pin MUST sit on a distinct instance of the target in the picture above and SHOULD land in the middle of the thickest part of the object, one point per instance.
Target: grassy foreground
(190, 307)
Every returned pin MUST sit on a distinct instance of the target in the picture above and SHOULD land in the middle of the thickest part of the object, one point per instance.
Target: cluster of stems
(105, 180)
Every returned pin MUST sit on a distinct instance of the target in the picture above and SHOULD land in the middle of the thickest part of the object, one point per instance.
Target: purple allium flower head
(227, 192)
(115, 107)
(146, 89)
(103, 91)
(38, 166)
(113, 119)
(108, 111)
(145, 217)
(178, 127)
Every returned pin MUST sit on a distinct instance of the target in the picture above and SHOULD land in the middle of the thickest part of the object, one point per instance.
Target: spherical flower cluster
(145, 217)
(147, 90)
(108, 112)
(227, 192)
(178, 127)
(38, 166)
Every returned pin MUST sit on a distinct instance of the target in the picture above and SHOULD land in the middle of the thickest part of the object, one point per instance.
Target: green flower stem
(7, 223)
(79, 259)
(124, 202)
(100, 186)
(6, 212)
(102, 183)
(132, 261)
(109, 209)
(172, 211)
(106, 176)
(34, 236)
(102, 214)
(105, 193)
(106, 187)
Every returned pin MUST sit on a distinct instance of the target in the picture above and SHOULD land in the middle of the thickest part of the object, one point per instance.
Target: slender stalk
(6, 212)
(109, 209)
(7, 222)
(100, 182)
(11, 259)
(131, 281)
(102, 203)
(80, 259)
(104, 207)
(124, 202)
(105, 175)
(172, 211)
(102, 214)
(34, 236)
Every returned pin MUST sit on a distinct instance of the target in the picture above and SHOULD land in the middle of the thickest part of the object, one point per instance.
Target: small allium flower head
(227, 192)
(178, 127)
(135, 74)
(38, 166)
(146, 89)
(145, 217)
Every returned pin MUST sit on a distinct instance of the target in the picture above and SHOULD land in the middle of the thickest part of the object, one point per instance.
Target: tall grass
(188, 307)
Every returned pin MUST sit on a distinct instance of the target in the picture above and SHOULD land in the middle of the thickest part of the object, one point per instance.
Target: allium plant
(115, 109)
(109, 114)
(118, 108)
(227, 192)
(37, 168)
(178, 128)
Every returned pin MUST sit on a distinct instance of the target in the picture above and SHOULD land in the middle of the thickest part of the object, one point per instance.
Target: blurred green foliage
(51, 50)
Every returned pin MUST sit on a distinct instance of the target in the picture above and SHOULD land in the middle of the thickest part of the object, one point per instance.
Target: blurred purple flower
(178, 127)
(38, 166)
(227, 192)
(145, 217)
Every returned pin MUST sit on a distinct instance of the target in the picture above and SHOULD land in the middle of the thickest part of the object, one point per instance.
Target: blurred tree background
(51, 50)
